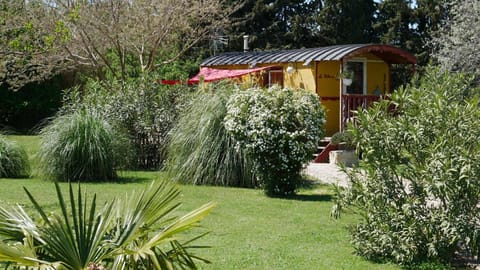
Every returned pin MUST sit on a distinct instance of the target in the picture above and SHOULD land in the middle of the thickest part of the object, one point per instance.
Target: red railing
(351, 103)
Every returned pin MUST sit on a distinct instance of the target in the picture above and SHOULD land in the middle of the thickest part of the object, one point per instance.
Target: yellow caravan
(321, 70)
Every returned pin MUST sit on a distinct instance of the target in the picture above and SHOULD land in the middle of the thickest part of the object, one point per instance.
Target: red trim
(170, 82)
(174, 82)
(329, 98)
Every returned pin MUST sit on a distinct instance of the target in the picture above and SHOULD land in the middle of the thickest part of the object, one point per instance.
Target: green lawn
(248, 229)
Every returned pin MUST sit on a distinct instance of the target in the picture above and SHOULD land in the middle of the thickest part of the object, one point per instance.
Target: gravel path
(327, 173)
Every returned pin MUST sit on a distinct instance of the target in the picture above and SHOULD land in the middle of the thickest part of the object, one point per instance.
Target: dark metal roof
(388, 53)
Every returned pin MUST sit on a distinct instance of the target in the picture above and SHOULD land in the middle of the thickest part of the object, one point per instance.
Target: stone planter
(346, 157)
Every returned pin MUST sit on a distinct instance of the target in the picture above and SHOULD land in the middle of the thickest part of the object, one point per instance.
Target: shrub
(136, 233)
(81, 146)
(201, 151)
(13, 160)
(418, 187)
(279, 129)
(22, 109)
(344, 139)
(140, 107)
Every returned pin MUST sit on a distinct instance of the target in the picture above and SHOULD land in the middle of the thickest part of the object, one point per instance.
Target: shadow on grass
(122, 179)
(132, 179)
(310, 197)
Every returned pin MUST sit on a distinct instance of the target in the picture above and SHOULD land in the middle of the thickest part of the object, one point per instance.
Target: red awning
(213, 74)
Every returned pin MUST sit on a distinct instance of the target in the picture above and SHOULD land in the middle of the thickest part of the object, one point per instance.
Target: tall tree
(276, 24)
(394, 23)
(395, 26)
(347, 21)
(430, 16)
(458, 42)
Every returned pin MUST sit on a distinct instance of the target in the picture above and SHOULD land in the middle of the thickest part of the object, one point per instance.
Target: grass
(13, 159)
(201, 151)
(248, 229)
(81, 146)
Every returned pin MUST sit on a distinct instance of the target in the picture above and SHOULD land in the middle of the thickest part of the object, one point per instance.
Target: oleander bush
(139, 107)
(201, 151)
(138, 232)
(279, 129)
(417, 187)
(82, 146)
(13, 160)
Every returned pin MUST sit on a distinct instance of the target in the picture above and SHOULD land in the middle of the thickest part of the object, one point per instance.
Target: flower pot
(347, 81)
(346, 157)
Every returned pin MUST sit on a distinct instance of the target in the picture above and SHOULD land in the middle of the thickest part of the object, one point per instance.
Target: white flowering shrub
(279, 129)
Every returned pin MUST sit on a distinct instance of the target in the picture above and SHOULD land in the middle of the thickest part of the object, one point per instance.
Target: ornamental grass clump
(143, 109)
(417, 187)
(201, 151)
(81, 146)
(279, 129)
(13, 160)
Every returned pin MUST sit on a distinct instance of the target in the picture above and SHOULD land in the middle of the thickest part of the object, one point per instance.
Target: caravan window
(358, 70)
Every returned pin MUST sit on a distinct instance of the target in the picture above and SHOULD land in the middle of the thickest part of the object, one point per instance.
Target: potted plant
(346, 149)
(347, 77)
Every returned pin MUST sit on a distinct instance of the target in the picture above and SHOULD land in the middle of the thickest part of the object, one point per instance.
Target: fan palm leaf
(137, 233)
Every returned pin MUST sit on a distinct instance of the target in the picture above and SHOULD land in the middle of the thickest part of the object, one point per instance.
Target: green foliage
(201, 151)
(178, 70)
(143, 109)
(136, 233)
(13, 159)
(417, 188)
(81, 146)
(275, 24)
(345, 138)
(347, 21)
(22, 110)
(279, 129)
(457, 42)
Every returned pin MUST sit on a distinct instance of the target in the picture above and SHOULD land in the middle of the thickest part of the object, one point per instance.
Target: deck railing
(351, 103)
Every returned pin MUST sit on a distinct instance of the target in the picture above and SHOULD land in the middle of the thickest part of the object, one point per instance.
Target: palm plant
(13, 159)
(137, 233)
(82, 146)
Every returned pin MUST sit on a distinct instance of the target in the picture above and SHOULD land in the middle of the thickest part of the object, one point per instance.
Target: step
(326, 139)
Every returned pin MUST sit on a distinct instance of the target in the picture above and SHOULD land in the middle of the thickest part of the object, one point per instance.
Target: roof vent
(245, 43)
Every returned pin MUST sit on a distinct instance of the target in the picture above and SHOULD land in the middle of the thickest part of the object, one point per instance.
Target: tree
(457, 43)
(429, 16)
(119, 37)
(395, 26)
(347, 21)
(24, 43)
(276, 24)
(394, 23)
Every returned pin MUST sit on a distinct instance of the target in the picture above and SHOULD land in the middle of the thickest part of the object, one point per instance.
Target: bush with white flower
(279, 129)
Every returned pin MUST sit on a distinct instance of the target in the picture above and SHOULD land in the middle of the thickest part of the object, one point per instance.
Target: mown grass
(248, 229)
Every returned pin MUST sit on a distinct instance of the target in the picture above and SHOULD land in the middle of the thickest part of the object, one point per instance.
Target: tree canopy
(119, 38)
(125, 38)
(457, 42)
